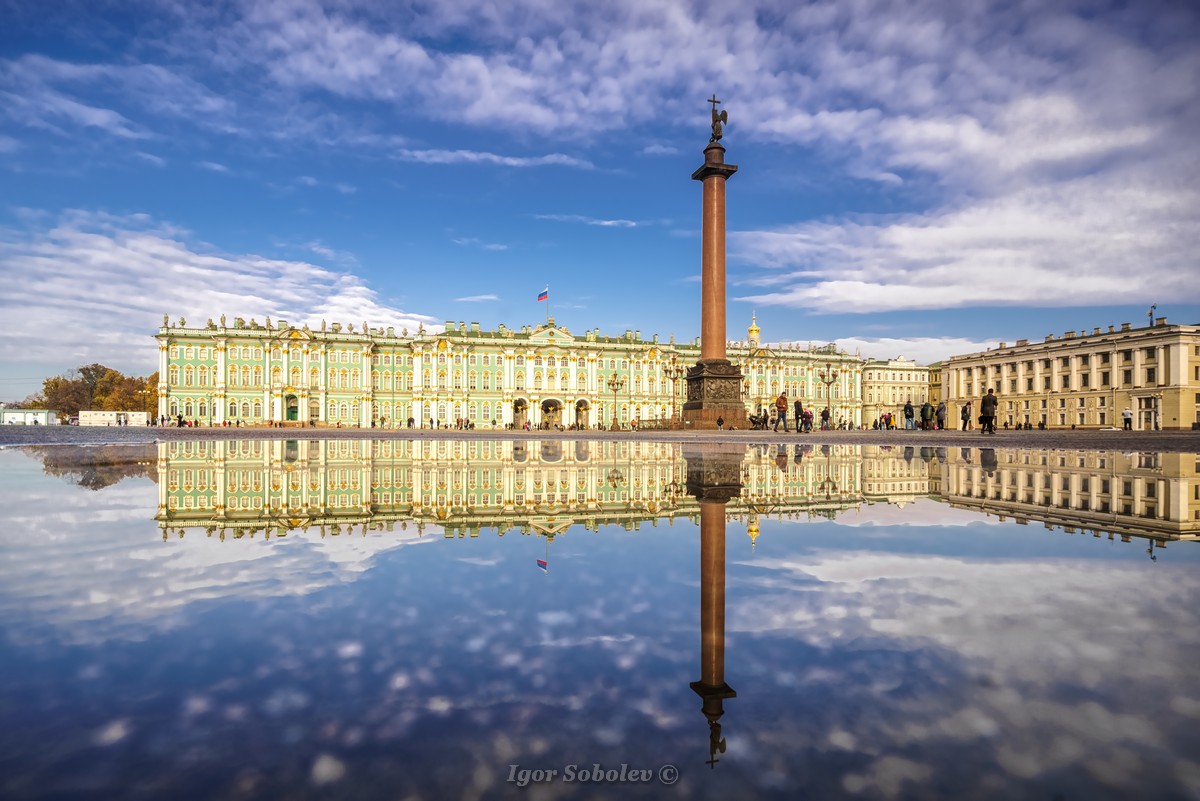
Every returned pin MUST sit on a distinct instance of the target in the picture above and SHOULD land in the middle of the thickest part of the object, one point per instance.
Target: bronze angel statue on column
(719, 118)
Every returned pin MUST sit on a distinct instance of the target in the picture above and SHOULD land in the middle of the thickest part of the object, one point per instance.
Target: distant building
(888, 385)
(98, 418)
(28, 417)
(541, 375)
(1087, 380)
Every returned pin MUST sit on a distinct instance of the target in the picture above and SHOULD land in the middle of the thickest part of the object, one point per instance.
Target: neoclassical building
(889, 384)
(254, 373)
(1087, 379)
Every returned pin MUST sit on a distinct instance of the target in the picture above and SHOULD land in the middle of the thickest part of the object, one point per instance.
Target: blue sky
(924, 179)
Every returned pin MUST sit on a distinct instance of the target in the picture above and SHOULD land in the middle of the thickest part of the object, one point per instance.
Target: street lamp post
(615, 384)
(828, 375)
(675, 372)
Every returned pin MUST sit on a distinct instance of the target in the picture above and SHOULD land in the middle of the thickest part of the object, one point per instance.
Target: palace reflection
(463, 488)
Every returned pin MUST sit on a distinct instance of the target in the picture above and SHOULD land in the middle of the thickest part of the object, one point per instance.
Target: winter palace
(542, 376)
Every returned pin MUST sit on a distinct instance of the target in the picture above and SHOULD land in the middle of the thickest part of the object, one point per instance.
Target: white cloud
(93, 287)
(150, 158)
(472, 242)
(1077, 243)
(482, 157)
(922, 350)
(212, 166)
(580, 218)
(476, 298)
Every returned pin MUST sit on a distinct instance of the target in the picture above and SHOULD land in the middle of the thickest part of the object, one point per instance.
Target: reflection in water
(714, 479)
(95, 467)
(340, 487)
(875, 654)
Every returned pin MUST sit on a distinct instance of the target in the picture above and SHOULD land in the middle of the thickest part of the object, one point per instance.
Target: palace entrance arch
(552, 412)
(291, 408)
(520, 413)
(582, 407)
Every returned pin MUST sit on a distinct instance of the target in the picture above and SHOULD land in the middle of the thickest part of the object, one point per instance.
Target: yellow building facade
(1087, 380)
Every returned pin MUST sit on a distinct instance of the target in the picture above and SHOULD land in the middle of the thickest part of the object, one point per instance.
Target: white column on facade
(366, 389)
(163, 379)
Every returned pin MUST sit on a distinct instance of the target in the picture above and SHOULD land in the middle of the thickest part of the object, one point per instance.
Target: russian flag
(543, 565)
(544, 294)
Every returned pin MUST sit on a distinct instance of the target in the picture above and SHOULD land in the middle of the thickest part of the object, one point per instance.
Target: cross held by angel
(719, 118)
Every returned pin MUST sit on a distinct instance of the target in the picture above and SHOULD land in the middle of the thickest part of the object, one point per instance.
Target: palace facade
(543, 375)
(1087, 380)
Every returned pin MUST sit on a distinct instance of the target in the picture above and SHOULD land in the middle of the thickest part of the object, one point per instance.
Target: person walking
(908, 415)
(941, 415)
(966, 416)
(1127, 415)
(987, 412)
(926, 416)
(781, 410)
(797, 414)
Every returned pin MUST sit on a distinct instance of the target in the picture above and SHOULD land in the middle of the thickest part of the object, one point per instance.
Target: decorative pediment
(295, 335)
(551, 335)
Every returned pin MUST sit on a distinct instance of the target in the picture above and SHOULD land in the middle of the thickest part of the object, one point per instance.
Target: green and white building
(545, 375)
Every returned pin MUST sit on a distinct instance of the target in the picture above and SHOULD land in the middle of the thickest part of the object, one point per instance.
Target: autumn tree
(95, 386)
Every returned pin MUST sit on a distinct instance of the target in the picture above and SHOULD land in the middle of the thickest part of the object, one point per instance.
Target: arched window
(294, 378)
(562, 362)
(258, 410)
(187, 408)
(174, 375)
(344, 410)
(276, 374)
(245, 408)
(520, 361)
(233, 408)
(189, 376)
(174, 408)
(314, 377)
(258, 374)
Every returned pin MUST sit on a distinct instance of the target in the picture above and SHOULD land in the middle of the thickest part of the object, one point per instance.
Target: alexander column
(714, 385)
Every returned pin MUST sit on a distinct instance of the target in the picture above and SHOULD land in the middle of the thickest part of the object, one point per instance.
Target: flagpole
(547, 304)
